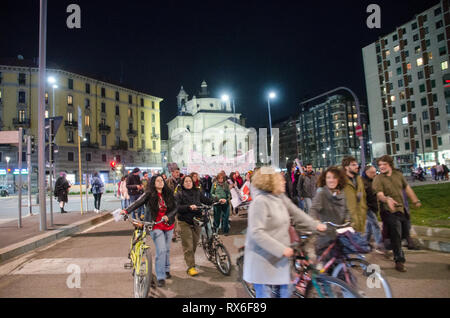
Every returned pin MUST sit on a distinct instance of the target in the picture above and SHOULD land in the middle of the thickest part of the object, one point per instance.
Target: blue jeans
(222, 213)
(140, 210)
(307, 204)
(162, 240)
(272, 291)
(125, 203)
(301, 204)
(372, 227)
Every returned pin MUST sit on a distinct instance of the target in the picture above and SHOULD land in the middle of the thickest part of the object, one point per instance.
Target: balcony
(87, 144)
(72, 123)
(132, 132)
(123, 145)
(104, 128)
(24, 123)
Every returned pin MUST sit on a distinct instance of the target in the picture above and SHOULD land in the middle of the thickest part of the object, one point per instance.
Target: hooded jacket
(187, 197)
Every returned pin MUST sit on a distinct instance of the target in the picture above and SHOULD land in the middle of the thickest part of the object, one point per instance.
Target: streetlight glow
(225, 98)
(55, 86)
(51, 80)
(272, 95)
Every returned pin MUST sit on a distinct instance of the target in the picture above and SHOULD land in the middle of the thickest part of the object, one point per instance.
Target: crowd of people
(338, 194)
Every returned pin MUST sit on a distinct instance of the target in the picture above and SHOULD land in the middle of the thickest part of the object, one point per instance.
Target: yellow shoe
(192, 271)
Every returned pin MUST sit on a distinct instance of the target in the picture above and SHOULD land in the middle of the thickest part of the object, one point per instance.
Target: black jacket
(291, 188)
(371, 196)
(207, 184)
(152, 214)
(186, 198)
(132, 182)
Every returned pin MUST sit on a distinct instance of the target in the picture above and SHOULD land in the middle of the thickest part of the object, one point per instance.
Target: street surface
(9, 205)
(100, 253)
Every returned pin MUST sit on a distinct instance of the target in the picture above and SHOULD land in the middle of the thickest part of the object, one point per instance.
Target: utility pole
(30, 207)
(50, 164)
(20, 176)
(41, 114)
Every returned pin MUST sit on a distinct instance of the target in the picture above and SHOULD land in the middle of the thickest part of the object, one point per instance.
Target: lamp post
(7, 168)
(271, 95)
(226, 98)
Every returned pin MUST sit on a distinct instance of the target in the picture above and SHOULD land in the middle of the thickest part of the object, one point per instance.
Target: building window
(69, 117)
(441, 37)
(395, 122)
(154, 132)
(88, 137)
(414, 26)
(400, 83)
(103, 140)
(439, 141)
(406, 145)
(435, 99)
(103, 122)
(438, 126)
(403, 107)
(413, 103)
(70, 83)
(69, 100)
(70, 156)
(88, 88)
(425, 114)
(117, 124)
(117, 110)
(142, 102)
(87, 121)
(426, 129)
(405, 132)
(103, 108)
(117, 96)
(103, 92)
(130, 113)
(104, 157)
(439, 24)
(153, 105)
(396, 48)
(444, 65)
(422, 88)
(46, 113)
(399, 70)
(417, 144)
(22, 79)
(442, 51)
(420, 75)
(22, 98)
(22, 116)
(88, 156)
(436, 110)
(142, 129)
(417, 49)
(415, 37)
(419, 61)
(130, 99)
(395, 37)
(397, 59)
(153, 118)
(397, 146)
(70, 137)
(142, 116)
(437, 11)
(87, 103)
(154, 145)
(46, 97)
(427, 143)
(423, 101)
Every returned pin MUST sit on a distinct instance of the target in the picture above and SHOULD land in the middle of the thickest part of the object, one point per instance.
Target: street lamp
(271, 95)
(226, 98)
(51, 80)
(7, 168)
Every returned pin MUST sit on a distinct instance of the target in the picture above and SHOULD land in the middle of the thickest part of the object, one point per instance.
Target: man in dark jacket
(372, 226)
(62, 190)
(135, 187)
(307, 186)
(206, 185)
(291, 178)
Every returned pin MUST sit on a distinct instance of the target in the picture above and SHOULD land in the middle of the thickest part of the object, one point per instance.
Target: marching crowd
(274, 199)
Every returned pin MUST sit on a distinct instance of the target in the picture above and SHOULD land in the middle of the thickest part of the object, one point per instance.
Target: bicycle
(213, 247)
(307, 281)
(366, 278)
(140, 257)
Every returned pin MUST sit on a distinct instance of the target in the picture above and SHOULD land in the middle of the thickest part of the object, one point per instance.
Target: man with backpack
(98, 187)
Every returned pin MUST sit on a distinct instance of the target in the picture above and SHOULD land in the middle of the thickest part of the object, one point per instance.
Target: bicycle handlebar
(144, 223)
(337, 225)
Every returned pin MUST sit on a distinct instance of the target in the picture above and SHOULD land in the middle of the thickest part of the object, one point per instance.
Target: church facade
(206, 132)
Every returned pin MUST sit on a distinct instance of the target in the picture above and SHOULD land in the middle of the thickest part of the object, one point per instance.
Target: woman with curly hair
(159, 205)
(329, 204)
(267, 251)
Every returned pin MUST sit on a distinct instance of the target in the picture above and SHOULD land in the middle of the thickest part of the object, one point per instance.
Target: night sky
(300, 49)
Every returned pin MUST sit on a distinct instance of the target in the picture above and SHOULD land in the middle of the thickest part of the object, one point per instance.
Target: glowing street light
(271, 95)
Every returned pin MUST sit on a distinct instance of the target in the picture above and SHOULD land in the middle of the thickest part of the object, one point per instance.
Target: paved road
(101, 252)
(9, 205)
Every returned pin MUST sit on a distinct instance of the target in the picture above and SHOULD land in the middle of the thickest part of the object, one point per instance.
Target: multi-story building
(407, 72)
(288, 139)
(326, 132)
(117, 122)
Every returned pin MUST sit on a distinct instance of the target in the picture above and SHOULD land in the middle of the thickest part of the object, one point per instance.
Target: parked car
(4, 192)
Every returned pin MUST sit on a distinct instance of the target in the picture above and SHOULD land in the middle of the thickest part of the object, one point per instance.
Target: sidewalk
(15, 241)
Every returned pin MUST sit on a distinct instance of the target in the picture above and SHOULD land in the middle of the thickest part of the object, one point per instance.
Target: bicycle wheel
(206, 247)
(247, 286)
(366, 278)
(143, 274)
(322, 286)
(223, 259)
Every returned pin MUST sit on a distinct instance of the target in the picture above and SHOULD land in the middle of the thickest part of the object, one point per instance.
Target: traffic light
(33, 145)
(52, 153)
(112, 163)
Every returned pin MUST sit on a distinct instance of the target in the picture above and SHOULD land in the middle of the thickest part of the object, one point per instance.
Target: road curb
(30, 244)
(431, 238)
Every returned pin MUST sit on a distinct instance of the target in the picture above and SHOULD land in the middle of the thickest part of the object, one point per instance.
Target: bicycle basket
(353, 243)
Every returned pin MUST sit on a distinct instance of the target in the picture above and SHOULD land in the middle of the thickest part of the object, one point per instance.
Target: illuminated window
(395, 123)
(388, 53)
(419, 61)
(408, 66)
(69, 100)
(69, 117)
(392, 98)
(390, 74)
(46, 114)
(405, 120)
(397, 48)
(46, 97)
(444, 65)
(87, 121)
(430, 56)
